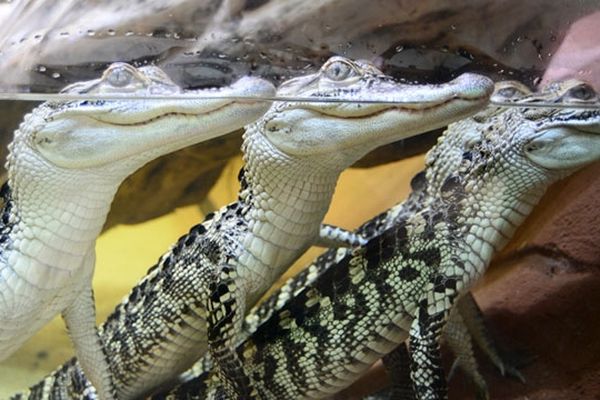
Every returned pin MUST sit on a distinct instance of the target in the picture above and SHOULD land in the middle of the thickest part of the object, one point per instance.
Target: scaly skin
(66, 162)
(293, 157)
(329, 324)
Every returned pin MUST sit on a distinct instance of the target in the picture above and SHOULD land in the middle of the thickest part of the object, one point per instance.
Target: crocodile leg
(458, 338)
(223, 322)
(80, 318)
(465, 324)
(333, 236)
(397, 363)
(424, 338)
(473, 320)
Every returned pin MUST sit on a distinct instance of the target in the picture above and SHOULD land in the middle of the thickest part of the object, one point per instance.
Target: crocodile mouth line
(171, 114)
(404, 109)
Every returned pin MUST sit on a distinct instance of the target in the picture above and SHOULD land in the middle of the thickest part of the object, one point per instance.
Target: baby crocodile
(481, 180)
(66, 162)
(293, 156)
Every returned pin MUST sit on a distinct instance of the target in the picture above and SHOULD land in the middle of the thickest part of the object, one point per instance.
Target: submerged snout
(472, 86)
(250, 87)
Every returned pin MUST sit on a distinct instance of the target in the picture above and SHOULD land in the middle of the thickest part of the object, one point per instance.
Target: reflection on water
(186, 96)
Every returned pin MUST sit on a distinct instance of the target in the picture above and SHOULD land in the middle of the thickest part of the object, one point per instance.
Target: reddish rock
(547, 310)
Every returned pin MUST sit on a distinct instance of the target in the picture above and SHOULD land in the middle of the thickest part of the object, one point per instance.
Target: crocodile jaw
(355, 128)
(93, 135)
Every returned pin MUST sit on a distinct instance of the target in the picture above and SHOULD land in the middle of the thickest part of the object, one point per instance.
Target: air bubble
(55, 75)
(111, 32)
(129, 33)
(91, 32)
(41, 68)
(399, 49)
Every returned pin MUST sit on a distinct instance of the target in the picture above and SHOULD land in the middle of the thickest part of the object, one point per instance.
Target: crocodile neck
(287, 198)
(488, 231)
(55, 218)
(482, 201)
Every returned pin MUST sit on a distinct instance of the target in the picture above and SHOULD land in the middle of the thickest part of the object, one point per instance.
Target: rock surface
(47, 44)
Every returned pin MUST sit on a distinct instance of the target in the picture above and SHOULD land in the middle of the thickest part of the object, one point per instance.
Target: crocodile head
(121, 132)
(506, 158)
(563, 139)
(350, 107)
(534, 136)
(69, 157)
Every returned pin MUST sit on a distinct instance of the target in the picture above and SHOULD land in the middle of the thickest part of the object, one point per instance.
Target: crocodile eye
(339, 70)
(507, 92)
(581, 92)
(119, 76)
(534, 146)
(511, 93)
